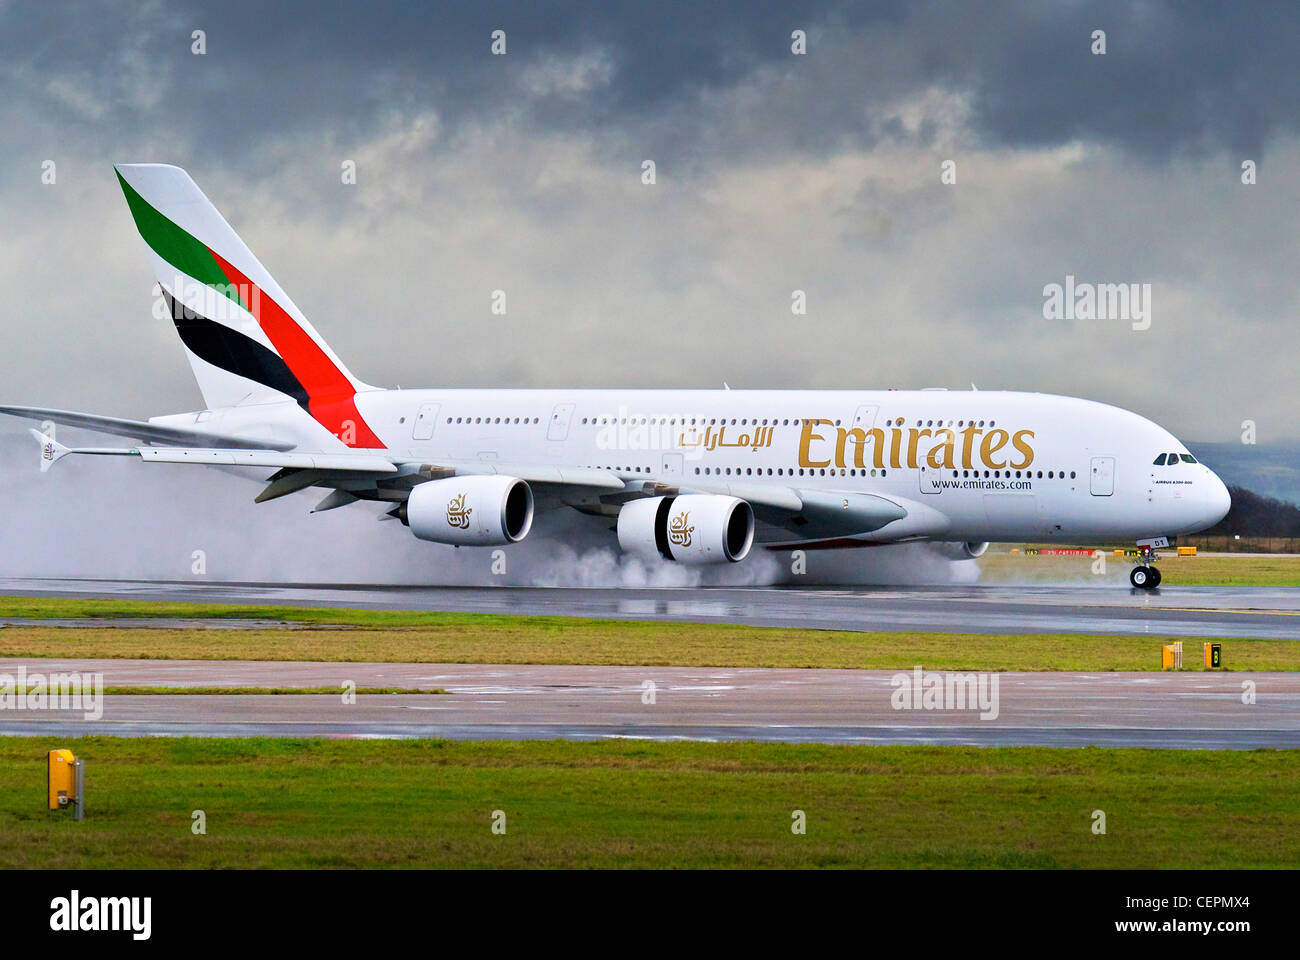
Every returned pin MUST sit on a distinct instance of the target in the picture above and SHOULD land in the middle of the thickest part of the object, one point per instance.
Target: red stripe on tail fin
(331, 395)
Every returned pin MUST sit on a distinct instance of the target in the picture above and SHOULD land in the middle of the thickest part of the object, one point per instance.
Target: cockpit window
(1173, 459)
(1187, 458)
(1160, 460)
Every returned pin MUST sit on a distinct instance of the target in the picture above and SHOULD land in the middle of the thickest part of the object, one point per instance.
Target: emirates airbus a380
(689, 476)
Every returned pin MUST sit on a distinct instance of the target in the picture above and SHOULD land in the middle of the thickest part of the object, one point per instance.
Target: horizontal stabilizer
(141, 430)
(331, 463)
(51, 450)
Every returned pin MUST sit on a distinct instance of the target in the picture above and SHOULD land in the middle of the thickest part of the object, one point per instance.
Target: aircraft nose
(1217, 500)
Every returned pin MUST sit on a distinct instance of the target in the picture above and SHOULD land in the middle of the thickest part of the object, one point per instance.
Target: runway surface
(1196, 710)
(1179, 611)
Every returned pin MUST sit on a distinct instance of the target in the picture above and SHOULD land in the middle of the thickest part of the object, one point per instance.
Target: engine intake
(961, 550)
(692, 529)
(469, 511)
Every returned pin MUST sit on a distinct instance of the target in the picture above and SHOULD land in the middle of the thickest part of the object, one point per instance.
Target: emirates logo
(680, 530)
(458, 513)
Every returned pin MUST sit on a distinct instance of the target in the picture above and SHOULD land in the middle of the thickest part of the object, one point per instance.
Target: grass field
(423, 803)
(329, 634)
(473, 638)
(1213, 571)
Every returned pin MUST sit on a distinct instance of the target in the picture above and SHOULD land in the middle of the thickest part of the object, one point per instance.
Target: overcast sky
(775, 172)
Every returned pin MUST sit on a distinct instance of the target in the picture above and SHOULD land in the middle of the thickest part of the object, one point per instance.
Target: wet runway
(1180, 611)
(1191, 709)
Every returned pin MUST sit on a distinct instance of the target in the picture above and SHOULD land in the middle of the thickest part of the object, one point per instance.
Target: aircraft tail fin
(246, 340)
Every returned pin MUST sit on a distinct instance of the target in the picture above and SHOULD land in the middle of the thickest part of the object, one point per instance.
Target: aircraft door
(558, 429)
(1102, 480)
(670, 467)
(424, 422)
(865, 416)
(928, 478)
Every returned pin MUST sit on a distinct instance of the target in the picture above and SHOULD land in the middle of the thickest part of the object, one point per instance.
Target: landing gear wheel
(1144, 577)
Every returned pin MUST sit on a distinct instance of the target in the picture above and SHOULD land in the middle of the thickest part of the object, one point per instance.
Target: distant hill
(1268, 470)
(1255, 516)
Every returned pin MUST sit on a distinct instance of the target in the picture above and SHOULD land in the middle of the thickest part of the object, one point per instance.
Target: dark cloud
(1176, 77)
(776, 173)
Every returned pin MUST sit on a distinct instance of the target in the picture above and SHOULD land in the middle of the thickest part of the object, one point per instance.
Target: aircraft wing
(543, 474)
(52, 451)
(790, 513)
(810, 514)
(353, 475)
(141, 430)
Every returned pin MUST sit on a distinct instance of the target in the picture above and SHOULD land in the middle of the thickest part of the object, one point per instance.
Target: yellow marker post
(1213, 656)
(1171, 656)
(62, 778)
(66, 783)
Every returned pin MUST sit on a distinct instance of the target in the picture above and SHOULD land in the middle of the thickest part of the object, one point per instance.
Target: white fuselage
(973, 466)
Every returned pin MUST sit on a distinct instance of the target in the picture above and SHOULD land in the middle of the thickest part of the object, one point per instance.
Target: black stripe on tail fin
(232, 351)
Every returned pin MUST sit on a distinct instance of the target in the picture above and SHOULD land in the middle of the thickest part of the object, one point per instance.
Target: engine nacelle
(960, 550)
(694, 529)
(470, 511)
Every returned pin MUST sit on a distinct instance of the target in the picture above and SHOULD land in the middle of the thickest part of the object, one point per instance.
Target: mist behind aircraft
(109, 518)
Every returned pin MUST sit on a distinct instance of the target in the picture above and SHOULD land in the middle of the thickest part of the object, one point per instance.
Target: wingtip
(51, 450)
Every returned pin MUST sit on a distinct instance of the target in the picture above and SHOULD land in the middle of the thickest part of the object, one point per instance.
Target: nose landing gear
(1146, 575)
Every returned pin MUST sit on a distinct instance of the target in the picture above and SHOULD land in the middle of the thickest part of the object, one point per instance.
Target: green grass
(427, 803)
(1202, 571)
(63, 608)
(342, 635)
(553, 640)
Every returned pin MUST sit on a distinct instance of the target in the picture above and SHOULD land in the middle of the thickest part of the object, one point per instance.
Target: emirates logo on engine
(48, 451)
(458, 513)
(680, 530)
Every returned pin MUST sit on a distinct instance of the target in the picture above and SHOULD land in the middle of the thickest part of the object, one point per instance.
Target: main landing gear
(1146, 575)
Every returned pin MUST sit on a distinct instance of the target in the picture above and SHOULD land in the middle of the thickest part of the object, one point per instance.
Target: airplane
(682, 476)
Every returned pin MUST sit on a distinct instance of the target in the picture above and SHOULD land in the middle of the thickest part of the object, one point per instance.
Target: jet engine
(693, 529)
(469, 511)
(960, 550)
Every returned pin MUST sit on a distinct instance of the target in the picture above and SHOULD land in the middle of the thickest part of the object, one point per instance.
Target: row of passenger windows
(756, 471)
(854, 472)
(783, 472)
(1006, 474)
(699, 421)
(940, 423)
(841, 471)
(1169, 459)
(755, 421)
(713, 422)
